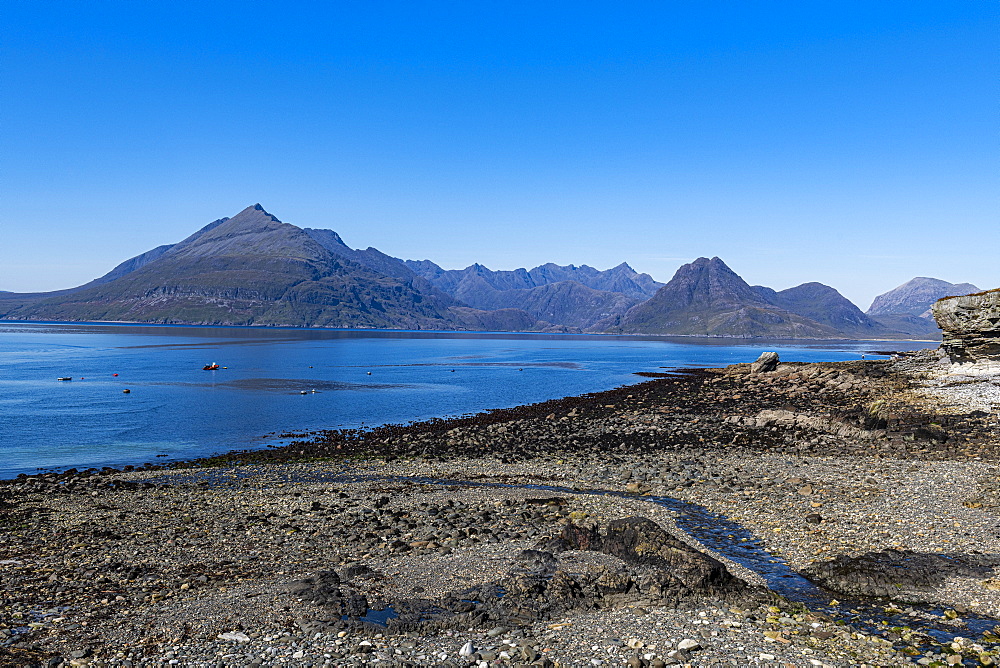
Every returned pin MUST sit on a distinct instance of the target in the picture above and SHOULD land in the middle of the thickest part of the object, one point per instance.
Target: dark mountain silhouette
(253, 269)
(707, 298)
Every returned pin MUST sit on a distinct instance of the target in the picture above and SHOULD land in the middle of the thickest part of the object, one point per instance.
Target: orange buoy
(115, 375)
(126, 391)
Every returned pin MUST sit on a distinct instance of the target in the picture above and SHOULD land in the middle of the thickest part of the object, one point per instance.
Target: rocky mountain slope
(707, 298)
(823, 304)
(622, 279)
(570, 296)
(907, 308)
(253, 269)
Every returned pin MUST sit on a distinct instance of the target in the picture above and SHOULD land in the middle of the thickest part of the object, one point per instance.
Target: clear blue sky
(851, 143)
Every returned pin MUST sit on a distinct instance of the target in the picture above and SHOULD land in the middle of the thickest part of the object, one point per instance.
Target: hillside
(824, 305)
(252, 269)
(907, 308)
(707, 298)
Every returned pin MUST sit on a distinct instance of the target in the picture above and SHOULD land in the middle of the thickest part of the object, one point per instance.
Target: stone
(891, 573)
(688, 645)
(467, 649)
(767, 361)
(970, 327)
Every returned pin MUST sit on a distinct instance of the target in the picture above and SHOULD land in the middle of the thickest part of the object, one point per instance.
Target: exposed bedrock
(900, 575)
(632, 561)
(971, 326)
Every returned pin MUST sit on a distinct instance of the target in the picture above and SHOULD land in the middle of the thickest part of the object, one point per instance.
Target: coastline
(707, 337)
(836, 440)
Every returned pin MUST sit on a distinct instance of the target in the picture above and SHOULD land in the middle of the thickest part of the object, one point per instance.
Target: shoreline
(167, 547)
(755, 339)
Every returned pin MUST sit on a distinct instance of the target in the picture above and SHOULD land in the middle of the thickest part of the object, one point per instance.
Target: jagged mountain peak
(707, 298)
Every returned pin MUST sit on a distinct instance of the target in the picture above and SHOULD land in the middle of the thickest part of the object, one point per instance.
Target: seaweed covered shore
(432, 544)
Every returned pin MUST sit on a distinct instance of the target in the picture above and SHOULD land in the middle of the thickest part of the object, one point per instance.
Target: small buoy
(225, 367)
(115, 375)
(314, 391)
(310, 367)
(126, 391)
(369, 373)
(453, 371)
(303, 392)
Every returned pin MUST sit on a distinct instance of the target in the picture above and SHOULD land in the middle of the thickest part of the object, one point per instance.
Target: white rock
(634, 643)
(688, 644)
(467, 649)
(237, 636)
(298, 655)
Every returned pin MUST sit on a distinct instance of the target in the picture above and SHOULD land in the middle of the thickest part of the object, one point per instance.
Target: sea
(140, 394)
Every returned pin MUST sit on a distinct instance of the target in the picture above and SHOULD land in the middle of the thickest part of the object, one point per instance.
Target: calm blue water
(360, 377)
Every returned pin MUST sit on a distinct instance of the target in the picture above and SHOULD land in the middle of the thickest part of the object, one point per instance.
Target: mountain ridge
(254, 269)
(707, 298)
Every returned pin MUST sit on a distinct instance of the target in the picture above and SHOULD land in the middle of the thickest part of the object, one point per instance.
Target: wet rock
(895, 574)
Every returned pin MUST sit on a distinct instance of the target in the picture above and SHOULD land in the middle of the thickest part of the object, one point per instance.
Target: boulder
(766, 362)
(970, 327)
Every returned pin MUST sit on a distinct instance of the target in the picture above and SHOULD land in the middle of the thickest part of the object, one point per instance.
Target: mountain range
(253, 269)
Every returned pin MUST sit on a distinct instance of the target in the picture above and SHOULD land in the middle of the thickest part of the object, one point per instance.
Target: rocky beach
(664, 523)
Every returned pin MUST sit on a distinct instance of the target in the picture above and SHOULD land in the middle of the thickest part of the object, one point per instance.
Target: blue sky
(851, 143)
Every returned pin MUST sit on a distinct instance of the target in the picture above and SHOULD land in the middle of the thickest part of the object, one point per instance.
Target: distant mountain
(907, 308)
(565, 303)
(570, 296)
(252, 269)
(707, 298)
(824, 305)
(916, 296)
(621, 279)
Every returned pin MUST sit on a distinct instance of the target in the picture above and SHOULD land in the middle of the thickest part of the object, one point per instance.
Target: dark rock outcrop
(971, 326)
(901, 575)
(649, 566)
